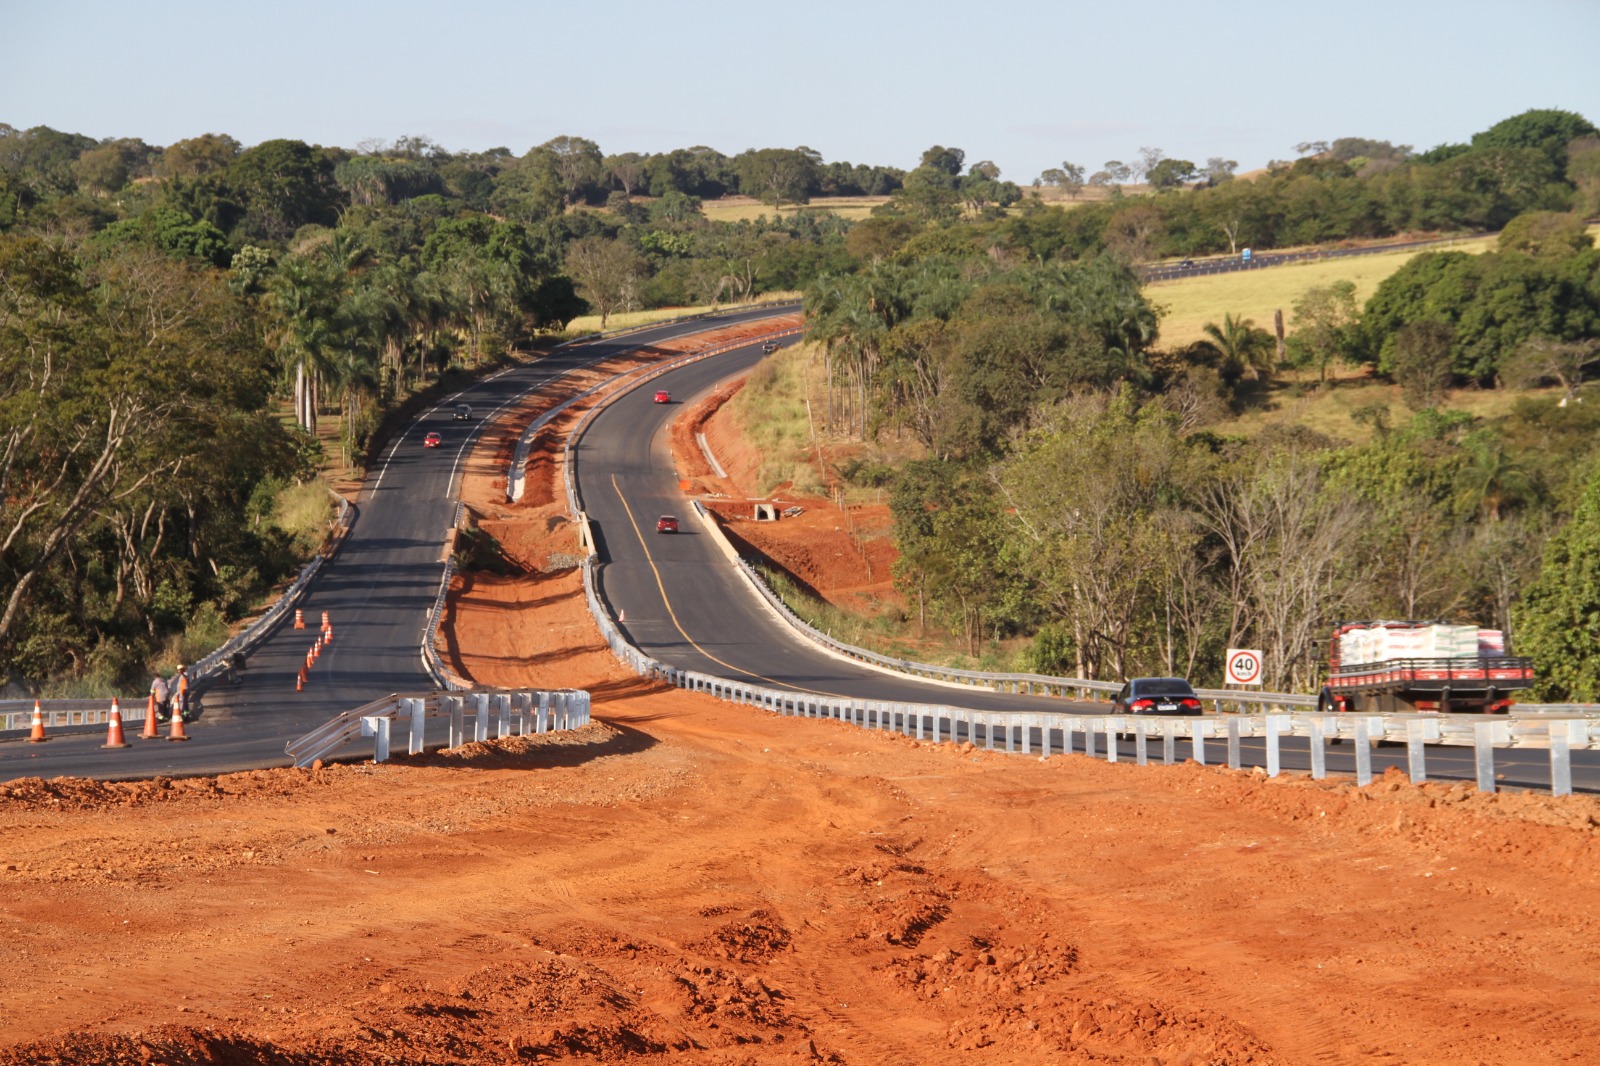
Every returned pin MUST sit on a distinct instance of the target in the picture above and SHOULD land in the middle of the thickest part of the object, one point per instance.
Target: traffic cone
(622, 615)
(327, 632)
(300, 680)
(151, 723)
(114, 738)
(177, 726)
(324, 621)
(38, 725)
(299, 618)
(309, 658)
(316, 650)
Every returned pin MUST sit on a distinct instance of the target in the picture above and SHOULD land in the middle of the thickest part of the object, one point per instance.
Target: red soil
(691, 881)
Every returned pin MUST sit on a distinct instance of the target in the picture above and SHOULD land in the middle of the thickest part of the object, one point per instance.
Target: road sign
(1244, 666)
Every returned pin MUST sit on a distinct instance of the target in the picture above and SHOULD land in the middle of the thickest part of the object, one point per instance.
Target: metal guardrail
(519, 458)
(1013, 731)
(1016, 684)
(514, 713)
(1055, 733)
(1258, 260)
(18, 714)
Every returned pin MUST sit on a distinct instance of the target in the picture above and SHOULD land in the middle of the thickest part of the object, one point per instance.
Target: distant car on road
(770, 347)
(1156, 695)
(663, 396)
(432, 440)
(667, 524)
(463, 412)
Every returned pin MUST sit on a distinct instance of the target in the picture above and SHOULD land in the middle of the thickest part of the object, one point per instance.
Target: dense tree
(607, 273)
(1548, 131)
(778, 176)
(1558, 619)
(1422, 362)
(1325, 322)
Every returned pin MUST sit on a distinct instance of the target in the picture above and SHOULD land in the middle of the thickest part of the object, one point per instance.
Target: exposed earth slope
(688, 881)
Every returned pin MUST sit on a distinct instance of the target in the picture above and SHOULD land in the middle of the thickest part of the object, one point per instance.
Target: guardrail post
(1233, 742)
(1197, 739)
(1169, 741)
(417, 740)
(1560, 759)
(377, 727)
(1141, 753)
(1363, 745)
(1113, 729)
(1008, 728)
(1274, 723)
(458, 723)
(1483, 744)
(1088, 737)
(1416, 762)
(1319, 754)
(503, 706)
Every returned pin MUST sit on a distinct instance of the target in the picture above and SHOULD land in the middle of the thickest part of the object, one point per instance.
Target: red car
(431, 441)
(663, 396)
(667, 524)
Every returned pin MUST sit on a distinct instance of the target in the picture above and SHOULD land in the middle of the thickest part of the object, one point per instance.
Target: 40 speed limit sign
(1244, 666)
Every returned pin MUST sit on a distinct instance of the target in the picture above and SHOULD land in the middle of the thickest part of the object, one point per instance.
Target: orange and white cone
(37, 734)
(177, 725)
(299, 618)
(324, 621)
(151, 723)
(300, 680)
(327, 631)
(114, 737)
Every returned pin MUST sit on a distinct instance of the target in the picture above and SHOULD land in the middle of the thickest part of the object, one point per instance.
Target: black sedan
(1156, 695)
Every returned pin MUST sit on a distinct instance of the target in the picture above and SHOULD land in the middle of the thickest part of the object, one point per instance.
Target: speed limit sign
(1244, 666)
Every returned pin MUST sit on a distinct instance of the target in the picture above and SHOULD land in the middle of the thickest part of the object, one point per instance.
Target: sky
(1028, 85)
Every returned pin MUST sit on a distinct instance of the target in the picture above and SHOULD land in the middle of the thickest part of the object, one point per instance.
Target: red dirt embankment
(689, 881)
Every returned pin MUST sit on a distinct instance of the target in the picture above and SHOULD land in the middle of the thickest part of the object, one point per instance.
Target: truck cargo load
(1390, 666)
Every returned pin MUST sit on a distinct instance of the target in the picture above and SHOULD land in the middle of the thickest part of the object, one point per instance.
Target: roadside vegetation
(192, 332)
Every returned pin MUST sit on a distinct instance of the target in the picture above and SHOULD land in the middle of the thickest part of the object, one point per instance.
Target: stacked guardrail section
(505, 713)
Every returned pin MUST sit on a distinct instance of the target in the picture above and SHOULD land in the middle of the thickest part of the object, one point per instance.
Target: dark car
(1156, 695)
(663, 396)
(463, 412)
(770, 347)
(667, 524)
(432, 440)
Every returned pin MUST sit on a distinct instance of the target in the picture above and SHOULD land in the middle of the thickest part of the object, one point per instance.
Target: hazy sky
(1026, 84)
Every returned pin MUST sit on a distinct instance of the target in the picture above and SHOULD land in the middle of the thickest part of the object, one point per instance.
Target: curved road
(687, 606)
(378, 590)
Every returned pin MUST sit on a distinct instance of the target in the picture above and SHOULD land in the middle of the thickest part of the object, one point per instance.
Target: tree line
(156, 299)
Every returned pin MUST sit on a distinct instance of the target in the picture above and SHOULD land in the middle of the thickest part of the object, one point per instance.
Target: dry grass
(586, 324)
(1189, 303)
(748, 209)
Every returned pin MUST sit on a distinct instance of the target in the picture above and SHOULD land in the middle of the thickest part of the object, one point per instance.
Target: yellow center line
(637, 532)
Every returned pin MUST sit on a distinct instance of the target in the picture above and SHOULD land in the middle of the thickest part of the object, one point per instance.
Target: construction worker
(180, 703)
(158, 689)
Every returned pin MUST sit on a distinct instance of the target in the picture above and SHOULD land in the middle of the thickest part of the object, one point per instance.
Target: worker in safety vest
(180, 699)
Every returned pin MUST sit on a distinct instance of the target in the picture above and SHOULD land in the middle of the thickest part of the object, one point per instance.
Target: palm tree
(1493, 478)
(303, 296)
(1244, 348)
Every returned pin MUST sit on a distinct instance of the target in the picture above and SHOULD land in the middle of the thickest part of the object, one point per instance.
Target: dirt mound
(697, 882)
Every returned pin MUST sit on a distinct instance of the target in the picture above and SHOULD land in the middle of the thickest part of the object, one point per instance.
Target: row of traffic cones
(114, 734)
(314, 652)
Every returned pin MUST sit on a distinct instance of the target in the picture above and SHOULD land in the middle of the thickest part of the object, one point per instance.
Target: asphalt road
(685, 605)
(683, 602)
(378, 590)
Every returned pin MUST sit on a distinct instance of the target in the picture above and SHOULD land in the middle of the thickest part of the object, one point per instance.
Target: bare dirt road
(687, 881)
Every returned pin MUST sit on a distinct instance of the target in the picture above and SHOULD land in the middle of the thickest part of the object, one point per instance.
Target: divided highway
(683, 602)
(378, 590)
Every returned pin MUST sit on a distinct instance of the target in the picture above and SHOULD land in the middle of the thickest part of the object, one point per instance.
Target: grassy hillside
(1189, 303)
